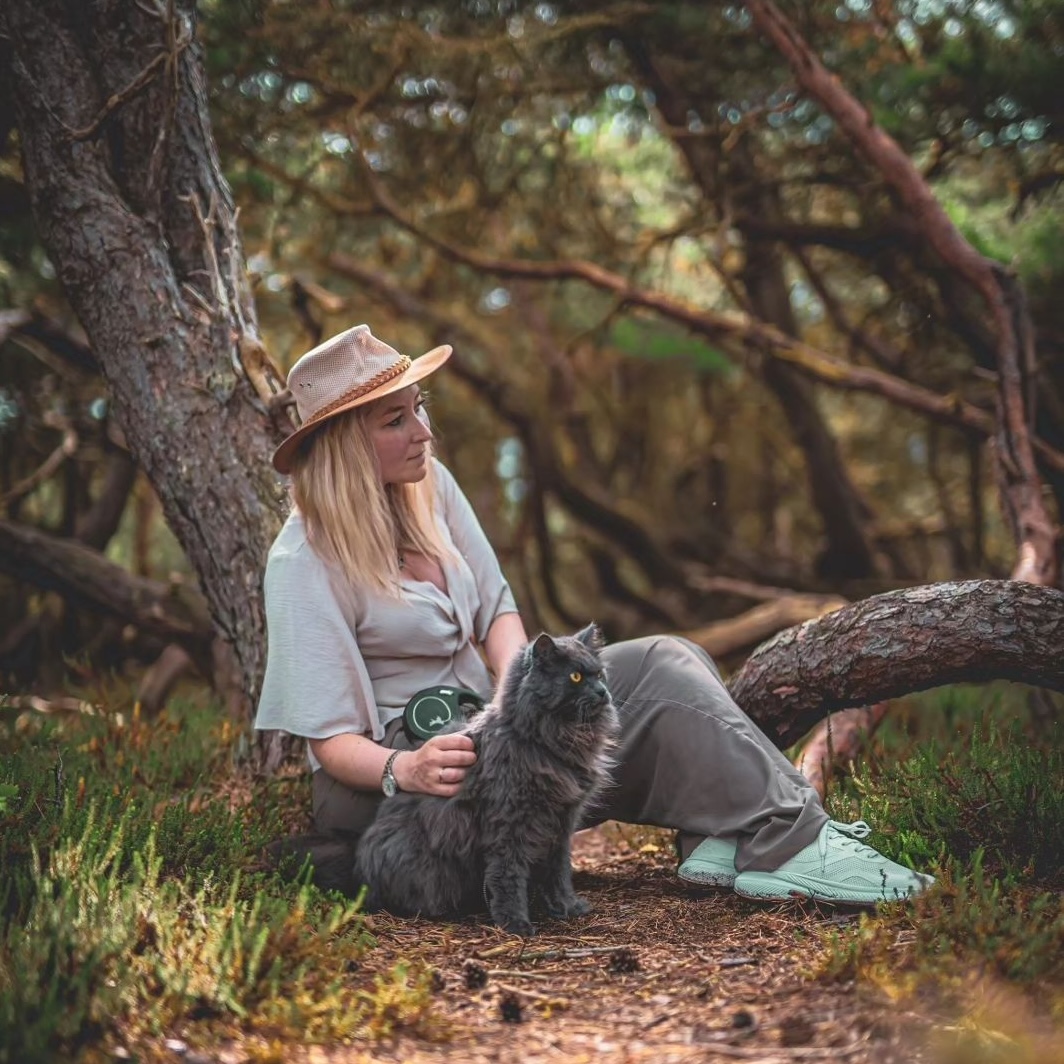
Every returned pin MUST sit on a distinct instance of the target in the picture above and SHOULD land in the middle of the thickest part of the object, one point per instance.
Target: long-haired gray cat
(541, 757)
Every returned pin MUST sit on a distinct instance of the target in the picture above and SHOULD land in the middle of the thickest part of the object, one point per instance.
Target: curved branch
(968, 631)
(721, 328)
(66, 448)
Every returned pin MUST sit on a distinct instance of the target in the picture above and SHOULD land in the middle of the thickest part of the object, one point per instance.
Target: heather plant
(993, 792)
(134, 892)
(979, 804)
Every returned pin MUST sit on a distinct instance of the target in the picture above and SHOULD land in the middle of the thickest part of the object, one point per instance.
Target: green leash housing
(433, 708)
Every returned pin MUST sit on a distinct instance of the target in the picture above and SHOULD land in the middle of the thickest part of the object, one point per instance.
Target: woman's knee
(663, 649)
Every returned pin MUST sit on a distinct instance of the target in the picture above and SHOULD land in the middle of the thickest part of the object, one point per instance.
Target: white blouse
(341, 659)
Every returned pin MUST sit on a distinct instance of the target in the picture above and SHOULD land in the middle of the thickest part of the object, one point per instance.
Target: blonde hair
(353, 520)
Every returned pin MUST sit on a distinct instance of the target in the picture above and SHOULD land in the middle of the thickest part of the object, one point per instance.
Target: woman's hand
(438, 767)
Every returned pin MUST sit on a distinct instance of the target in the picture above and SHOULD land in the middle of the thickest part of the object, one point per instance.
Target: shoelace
(859, 829)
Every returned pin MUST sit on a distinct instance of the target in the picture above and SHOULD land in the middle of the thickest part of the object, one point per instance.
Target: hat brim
(417, 370)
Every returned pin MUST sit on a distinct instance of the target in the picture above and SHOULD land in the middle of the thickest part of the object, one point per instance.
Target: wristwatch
(389, 784)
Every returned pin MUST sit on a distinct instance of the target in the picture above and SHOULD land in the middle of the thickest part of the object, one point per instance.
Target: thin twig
(776, 1053)
(173, 53)
(567, 954)
(116, 100)
(67, 447)
(510, 974)
(535, 995)
(60, 778)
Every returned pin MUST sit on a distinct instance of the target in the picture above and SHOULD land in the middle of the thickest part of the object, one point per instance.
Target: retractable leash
(430, 710)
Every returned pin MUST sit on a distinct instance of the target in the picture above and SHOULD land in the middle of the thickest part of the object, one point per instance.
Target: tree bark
(131, 203)
(888, 645)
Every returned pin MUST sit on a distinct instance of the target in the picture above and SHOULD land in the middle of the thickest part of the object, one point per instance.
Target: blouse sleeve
(316, 684)
(494, 596)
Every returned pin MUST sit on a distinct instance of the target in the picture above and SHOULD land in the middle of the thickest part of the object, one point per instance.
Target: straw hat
(346, 371)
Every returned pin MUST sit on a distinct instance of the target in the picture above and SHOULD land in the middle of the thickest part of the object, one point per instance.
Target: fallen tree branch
(970, 631)
(737, 633)
(176, 613)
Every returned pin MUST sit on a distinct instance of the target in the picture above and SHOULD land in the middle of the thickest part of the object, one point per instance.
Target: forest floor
(659, 972)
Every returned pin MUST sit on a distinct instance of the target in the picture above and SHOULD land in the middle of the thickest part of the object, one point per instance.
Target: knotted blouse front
(344, 659)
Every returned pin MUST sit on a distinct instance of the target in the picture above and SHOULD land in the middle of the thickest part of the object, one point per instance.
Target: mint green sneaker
(836, 867)
(710, 864)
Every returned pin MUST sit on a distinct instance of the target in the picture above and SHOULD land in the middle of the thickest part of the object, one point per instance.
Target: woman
(382, 583)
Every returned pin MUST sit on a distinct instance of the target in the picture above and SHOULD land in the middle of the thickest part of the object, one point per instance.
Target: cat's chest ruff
(535, 778)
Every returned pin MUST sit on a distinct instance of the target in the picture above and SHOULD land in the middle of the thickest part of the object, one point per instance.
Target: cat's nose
(600, 689)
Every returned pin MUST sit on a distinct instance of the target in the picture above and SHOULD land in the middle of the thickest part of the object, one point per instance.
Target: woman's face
(399, 428)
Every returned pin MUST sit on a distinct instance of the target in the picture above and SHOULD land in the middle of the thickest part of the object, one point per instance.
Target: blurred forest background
(709, 375)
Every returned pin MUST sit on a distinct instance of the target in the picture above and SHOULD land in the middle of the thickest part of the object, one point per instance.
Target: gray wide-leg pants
(687, 758)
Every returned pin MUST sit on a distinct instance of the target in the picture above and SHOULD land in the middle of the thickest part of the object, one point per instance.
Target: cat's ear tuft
(591, 636)
(542, 646)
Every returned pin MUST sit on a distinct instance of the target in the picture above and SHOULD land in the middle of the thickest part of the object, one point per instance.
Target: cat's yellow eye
(576, 677)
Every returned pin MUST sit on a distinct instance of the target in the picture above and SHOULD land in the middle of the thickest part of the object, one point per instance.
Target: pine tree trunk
(138, 220)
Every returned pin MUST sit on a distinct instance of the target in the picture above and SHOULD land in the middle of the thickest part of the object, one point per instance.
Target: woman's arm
(438, 767)
(506, 637)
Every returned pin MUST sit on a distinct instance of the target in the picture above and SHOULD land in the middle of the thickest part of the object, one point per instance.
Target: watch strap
(388, 770)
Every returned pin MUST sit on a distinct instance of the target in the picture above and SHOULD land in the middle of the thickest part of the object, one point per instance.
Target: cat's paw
(577, 906)
(567, 908)
(519, 927)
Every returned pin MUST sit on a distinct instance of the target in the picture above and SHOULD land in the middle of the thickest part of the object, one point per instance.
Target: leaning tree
(131, 203)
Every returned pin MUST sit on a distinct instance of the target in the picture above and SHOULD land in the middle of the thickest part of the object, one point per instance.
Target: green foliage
(971, 921)
(133, 891)
(996, 797)
(974, 798)
(653, 342)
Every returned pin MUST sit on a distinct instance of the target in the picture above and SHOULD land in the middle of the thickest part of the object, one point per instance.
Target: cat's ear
(591, 636)
(542, 647)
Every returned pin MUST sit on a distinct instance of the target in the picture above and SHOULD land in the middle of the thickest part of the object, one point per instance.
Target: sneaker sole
(770, 888)
(708, 879)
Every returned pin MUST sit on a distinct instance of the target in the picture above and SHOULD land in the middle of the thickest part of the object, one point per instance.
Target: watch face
(388, 784)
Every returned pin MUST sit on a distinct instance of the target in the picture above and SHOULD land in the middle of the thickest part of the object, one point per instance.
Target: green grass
(132, 885)
(993, 797)
(967, 785)
(134, 891)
